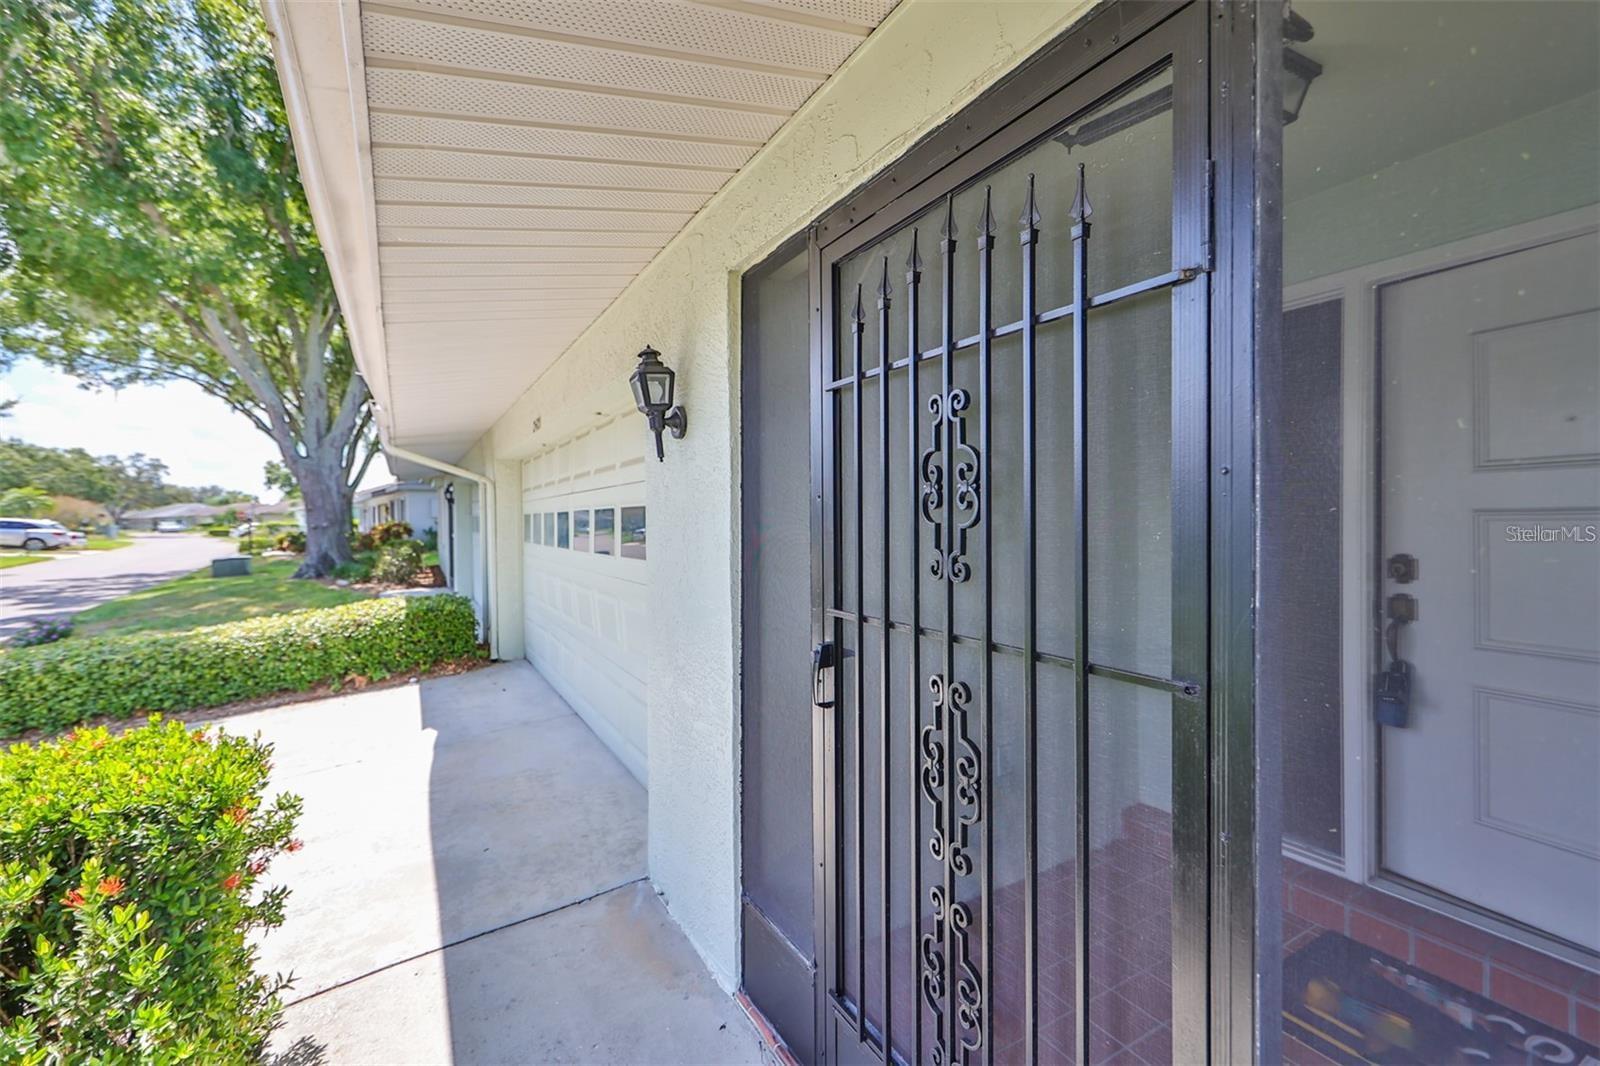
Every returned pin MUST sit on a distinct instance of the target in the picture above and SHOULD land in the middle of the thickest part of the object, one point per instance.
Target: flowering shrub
(292, 541)
(42, 631)
(388, 532)
(62, 684)
(398, 562)
(381, 534)
(131, 874)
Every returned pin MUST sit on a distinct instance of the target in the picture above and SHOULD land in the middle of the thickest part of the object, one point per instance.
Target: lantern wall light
(653, 382)
(1299, 71)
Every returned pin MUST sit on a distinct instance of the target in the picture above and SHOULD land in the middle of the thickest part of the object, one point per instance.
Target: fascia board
(322, 71)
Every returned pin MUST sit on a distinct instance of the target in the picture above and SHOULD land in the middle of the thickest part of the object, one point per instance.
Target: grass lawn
(98, 543)
(202, 600)
(8, 561)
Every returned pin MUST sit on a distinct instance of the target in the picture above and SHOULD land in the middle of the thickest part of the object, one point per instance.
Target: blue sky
(198, 437)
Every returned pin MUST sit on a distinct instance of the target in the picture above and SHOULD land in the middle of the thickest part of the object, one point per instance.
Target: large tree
(153, 228)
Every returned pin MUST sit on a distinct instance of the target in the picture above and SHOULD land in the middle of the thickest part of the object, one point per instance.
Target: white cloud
(200, 439)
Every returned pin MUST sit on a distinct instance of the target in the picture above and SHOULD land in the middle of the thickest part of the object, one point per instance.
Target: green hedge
(61, 684)
(131, 890)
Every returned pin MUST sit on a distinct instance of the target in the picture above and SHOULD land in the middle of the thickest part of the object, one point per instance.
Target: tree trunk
(326, 496)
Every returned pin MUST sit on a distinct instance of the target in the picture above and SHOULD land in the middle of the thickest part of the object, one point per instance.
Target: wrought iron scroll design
(951, 774)
(968, 988)
(933, 975)
(947, 414)
(947, 730)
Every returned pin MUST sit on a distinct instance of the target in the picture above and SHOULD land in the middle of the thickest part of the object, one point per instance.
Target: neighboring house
(1127, 586)
(189, 515)
(414, 502)
(278, 513)
(185, 515)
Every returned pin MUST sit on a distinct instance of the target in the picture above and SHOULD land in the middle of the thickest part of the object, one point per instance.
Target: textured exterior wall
(928, 59)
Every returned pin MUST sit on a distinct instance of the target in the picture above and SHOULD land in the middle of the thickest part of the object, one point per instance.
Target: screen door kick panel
(1013, 419)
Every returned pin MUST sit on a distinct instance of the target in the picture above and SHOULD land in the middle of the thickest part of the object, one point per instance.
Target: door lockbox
(1392, 695)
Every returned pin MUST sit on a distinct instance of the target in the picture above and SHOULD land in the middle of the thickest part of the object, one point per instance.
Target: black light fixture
(652, 382)
(450, 516)
(1299, 71)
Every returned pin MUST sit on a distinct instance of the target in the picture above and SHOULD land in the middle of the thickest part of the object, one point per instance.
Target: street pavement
(73, 581)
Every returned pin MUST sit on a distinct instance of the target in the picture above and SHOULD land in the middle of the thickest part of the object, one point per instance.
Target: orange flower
(237, 814)
(294, 845)
(72, 900)
(112, 886)
(232, 881)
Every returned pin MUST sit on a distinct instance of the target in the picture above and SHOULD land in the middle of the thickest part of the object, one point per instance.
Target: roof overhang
(488, 175)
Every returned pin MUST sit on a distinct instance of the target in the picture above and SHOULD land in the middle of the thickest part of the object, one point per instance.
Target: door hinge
(1208, 244)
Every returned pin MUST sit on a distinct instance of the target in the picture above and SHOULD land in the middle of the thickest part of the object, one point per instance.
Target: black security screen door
(1011, 413)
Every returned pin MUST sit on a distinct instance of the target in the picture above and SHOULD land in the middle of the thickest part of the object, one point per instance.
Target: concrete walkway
(473, 888)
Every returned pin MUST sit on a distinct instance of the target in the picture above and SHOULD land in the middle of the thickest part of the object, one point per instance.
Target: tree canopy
(118, 484)
(25, 502)
(153, 227)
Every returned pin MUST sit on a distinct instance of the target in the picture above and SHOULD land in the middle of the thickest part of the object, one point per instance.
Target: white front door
(1490, 473)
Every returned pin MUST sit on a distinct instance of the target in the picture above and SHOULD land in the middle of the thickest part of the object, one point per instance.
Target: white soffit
(527, 159)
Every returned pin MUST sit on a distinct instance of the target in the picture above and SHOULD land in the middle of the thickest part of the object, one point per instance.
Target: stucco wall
(928, 59)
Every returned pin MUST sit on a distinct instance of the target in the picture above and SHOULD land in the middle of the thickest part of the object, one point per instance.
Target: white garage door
(584, 580)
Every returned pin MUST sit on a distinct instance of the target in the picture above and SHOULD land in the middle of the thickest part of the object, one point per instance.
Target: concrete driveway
(73, 581)
(473, 888)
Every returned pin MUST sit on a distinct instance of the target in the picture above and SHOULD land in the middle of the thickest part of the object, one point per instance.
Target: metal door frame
(1220, 861)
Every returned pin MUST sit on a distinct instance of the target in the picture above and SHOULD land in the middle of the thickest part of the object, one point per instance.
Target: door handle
(823, 659)
(1392, 692)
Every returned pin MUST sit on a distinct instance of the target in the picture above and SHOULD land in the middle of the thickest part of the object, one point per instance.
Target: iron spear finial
(947, 231)
(913, 262)
(1081, 208)
(1029, 222)
(986, 222)
(884, 290)
(855, 312)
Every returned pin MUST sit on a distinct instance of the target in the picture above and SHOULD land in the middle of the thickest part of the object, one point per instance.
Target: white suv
(33, 534)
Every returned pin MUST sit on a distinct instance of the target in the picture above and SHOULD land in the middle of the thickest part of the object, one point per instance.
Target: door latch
(823, 659)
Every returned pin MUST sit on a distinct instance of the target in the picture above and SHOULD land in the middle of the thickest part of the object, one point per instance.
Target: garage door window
(549, 529)
(563, 530)
(538, 529)
(580, 531)
(605, 530)
(633, 533)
